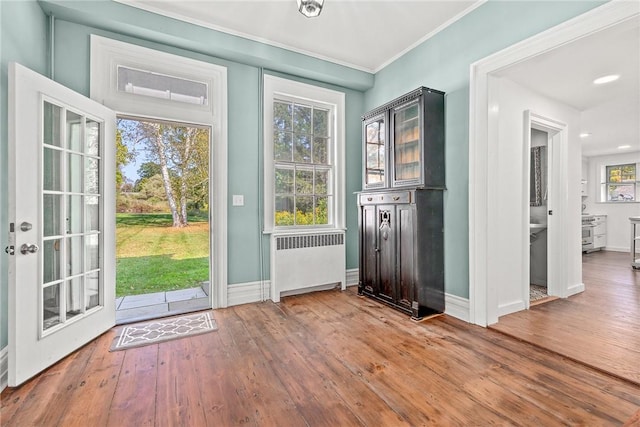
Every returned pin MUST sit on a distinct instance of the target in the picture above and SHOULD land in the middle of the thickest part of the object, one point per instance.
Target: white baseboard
(353, 276)
(4, 367)
(575, 289)
(457, 307)
(511, 307)
(245, 293)
(617, 249)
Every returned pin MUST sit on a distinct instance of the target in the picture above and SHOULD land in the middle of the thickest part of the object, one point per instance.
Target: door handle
(28, 249)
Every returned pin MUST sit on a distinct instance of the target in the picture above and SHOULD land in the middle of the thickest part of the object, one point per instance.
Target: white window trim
(602, 183)
(106, 55)
(276, 87)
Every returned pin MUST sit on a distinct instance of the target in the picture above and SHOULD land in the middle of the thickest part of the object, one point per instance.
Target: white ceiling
(369, 34)
(610, 112)
(362, 34)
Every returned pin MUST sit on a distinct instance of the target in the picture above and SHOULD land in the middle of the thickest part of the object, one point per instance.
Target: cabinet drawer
(378, 198)
(599, 241)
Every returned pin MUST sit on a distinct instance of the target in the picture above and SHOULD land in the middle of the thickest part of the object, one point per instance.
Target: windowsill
(619, 203)
(302, 231)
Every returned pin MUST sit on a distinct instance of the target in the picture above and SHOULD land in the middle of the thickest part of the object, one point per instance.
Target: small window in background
(155, 85)
(621, 183)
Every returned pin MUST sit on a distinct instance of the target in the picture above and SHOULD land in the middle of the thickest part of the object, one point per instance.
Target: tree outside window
(621, 183)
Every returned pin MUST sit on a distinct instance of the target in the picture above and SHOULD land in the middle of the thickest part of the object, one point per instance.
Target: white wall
(618, 226)
(513, 252)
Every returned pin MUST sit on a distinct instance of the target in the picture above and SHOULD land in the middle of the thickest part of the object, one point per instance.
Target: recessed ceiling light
(606, 79)
(622, 147)
(585, 135)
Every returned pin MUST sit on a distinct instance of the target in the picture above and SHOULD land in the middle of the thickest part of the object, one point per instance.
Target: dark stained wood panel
(322, 359)
(598, 327)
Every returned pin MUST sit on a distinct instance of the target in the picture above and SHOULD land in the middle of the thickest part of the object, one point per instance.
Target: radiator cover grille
(309, 241)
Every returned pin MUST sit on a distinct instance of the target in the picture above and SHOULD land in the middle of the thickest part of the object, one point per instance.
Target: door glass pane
(74, 131)
(51, 215)
(93, 213)
(92, 255)
(407, 143)
(75, 169)
(71, 217)
(92, 180)
(92, 296)
(375, 152)
(51, 260)
(51, 125)
(51, 306)
(74, 214)
(74, 255)
(92, 138)
(51, 175)
(74, 297)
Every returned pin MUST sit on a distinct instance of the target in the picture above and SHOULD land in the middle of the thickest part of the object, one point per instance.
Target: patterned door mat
(139, 334)
(537, 292)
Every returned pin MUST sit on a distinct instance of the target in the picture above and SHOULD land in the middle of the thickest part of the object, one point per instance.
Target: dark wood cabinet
(401, 206)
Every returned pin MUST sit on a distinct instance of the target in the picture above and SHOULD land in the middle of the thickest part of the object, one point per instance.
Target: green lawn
(152, 256)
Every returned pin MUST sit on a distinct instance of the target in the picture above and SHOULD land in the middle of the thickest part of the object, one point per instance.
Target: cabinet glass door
(374, 133)
(406, 140)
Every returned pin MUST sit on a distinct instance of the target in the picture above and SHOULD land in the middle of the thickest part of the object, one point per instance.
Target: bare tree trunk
(166, 178)
(189, 140)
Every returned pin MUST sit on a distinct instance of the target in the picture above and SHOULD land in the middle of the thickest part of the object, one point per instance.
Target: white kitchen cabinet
(599, 231)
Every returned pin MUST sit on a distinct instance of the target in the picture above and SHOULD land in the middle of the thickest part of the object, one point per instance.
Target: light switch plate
(238, 200)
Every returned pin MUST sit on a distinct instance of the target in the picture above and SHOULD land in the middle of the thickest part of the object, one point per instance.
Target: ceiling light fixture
(622, 147)
(585, 135)
(310, 8)
(606, 79)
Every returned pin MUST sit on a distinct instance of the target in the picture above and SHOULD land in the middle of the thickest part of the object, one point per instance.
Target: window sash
(302, 145)
(620, 184)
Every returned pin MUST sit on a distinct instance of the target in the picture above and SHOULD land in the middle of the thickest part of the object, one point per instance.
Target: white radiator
(306, 262)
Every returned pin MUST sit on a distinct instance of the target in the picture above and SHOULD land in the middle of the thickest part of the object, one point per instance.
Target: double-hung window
(620, 184)
(303, 156)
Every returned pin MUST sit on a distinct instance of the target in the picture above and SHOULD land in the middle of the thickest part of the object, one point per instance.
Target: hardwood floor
(323, 359)
(598, 327)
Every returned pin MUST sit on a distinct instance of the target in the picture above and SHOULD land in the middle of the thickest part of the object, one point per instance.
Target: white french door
(61, 214)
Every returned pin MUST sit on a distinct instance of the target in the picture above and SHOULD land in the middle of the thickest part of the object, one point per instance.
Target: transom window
(301, 140)
(621, 183)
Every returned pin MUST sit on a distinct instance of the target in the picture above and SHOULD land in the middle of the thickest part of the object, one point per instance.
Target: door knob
(28, 249)
(10, 250)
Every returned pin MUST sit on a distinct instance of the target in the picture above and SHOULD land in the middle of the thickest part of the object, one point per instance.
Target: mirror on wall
(537, 186)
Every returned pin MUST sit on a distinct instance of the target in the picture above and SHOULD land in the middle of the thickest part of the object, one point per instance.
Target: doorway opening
(162, 219)
(538, 196)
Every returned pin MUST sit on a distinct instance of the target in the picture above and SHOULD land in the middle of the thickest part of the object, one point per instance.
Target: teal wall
(72, 44)
(442, 63)
(23, 40)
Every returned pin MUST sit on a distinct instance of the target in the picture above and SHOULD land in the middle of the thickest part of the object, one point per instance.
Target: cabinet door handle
(377, 249)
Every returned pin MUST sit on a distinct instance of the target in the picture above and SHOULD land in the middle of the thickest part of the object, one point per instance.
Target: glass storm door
(61, 268)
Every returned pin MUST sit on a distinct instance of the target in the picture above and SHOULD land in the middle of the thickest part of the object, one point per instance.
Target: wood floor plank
(134, 397)
(327, 358)
(597, 327)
